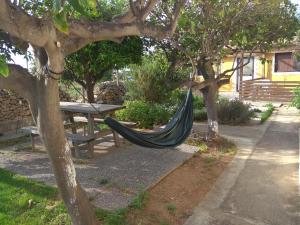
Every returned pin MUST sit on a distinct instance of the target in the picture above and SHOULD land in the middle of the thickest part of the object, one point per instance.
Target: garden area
(117, 112)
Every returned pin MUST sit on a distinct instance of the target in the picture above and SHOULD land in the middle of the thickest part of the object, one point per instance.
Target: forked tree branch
(85, 32)
(19, 24)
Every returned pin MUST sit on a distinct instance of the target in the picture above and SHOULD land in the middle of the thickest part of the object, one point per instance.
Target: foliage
(296, 98)
(97, 59)
(233, 111)
(139, 201)
(145, 114)
(200, 114)
(148, 81)
(107, 217)
(266, 114)
(24, 201)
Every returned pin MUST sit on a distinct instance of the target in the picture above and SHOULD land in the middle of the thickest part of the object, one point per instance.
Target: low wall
(15, 112)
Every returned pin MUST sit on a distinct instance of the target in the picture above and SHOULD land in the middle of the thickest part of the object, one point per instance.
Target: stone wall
(110, 92)
(15, 112)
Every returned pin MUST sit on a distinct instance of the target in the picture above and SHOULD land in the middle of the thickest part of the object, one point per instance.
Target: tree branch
(85, 32)
(19, 24)
(19, 81)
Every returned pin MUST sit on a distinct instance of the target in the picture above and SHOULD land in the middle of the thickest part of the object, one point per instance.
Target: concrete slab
(260, 187)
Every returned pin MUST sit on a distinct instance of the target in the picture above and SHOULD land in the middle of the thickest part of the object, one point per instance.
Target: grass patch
(266, 114)
(140, 201)
(171, 208)
(27, 202)
(117, 217)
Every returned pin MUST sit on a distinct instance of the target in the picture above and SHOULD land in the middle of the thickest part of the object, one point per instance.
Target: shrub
(200, 114)
(143, 113)
(266, 114)
(176, 98)
(148, 81)
(234, 111)
(296, 98)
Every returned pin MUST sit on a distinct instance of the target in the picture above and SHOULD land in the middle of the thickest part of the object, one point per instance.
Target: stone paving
(115, 175)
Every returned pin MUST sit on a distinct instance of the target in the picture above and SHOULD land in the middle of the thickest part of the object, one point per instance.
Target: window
(285, 62)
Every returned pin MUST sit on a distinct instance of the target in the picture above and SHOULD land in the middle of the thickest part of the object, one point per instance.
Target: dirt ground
(173, 199)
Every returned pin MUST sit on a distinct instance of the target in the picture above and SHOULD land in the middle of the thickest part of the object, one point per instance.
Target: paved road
(266, 189)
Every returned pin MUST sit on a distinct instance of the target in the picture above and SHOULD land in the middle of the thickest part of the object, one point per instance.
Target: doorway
(248, 71)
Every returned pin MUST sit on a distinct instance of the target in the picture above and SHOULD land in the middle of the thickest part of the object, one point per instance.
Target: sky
(21, 61)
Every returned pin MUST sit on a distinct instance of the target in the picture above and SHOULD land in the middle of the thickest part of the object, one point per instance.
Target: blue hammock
(173, 134)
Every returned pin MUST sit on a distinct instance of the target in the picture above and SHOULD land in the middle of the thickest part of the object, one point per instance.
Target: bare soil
(173, 199)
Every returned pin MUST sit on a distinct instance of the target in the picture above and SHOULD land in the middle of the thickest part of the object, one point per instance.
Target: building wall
(260, 70)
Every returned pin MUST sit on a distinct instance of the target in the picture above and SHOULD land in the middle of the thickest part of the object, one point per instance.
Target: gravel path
(115, 175)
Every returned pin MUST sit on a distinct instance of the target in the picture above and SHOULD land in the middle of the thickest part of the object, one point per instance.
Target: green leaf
(56, 6)
(4, 70)
(60, 22)
(78, 7)
(91, 3)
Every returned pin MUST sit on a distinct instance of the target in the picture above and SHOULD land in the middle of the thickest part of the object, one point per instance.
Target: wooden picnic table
(90, 111)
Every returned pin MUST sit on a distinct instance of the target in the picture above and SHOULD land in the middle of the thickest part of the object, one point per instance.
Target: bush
(176, 98)
(296, 98)
(148, 81)
(266, 114)
(200, 114)
(143, 113)
(233, 112)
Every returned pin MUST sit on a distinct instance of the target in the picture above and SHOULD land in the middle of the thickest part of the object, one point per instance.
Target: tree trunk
(51, 128)
(46, 110)
(90, 92)
(90, 85)
(210, 95)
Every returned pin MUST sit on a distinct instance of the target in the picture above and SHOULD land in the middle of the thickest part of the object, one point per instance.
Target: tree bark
(90, 85)
(210, 95)
(51, 128)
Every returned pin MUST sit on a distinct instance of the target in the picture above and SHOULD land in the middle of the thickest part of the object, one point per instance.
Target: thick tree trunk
(46, 110)
(51, 128)
(210, 95)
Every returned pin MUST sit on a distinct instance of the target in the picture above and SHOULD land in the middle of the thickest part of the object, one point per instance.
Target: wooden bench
(33, 132)
(81, 119)
(77, 141)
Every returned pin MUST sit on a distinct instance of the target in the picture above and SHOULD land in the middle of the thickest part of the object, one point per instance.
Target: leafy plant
(200, 114)
(266, 114)
(140, 201)
(233, 111)
(148, 81)
(171, 208)
(143, 113)
(296, 98)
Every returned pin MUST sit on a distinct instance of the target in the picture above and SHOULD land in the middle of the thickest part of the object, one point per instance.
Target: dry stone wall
(15, 112)
(110, 92)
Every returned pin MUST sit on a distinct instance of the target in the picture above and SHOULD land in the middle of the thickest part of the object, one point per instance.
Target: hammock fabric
(174, 133)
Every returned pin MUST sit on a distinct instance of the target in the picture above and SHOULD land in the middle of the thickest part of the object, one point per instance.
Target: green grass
(27, 202)
(117, 217)
(171, 208)
(266, 114)
(16, 193)
(140, 201)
